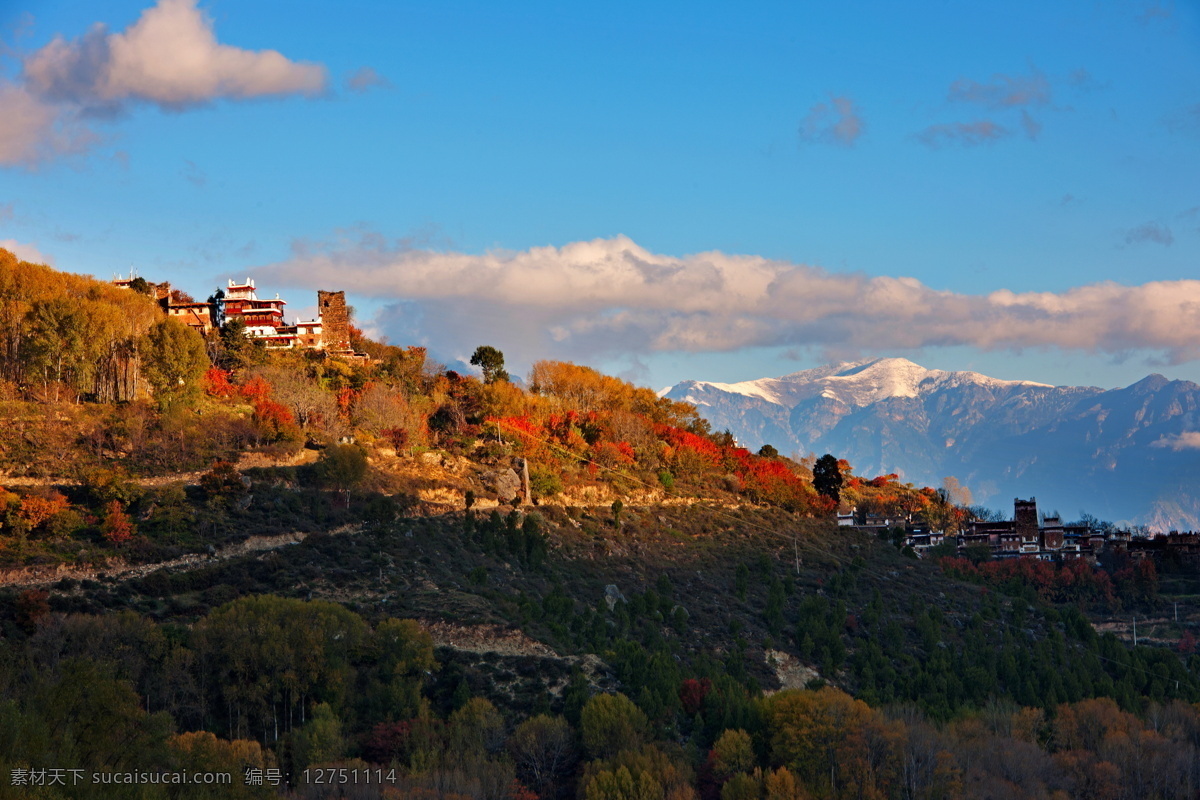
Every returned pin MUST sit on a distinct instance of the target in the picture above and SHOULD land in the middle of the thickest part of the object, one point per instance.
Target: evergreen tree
(827, 477)
(491, 361)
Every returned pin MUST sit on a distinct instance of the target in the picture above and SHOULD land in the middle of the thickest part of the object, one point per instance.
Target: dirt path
(245, 461)
(32, 577)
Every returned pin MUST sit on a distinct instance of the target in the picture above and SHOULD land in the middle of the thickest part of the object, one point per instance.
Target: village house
(1023, 535)
(263, 318)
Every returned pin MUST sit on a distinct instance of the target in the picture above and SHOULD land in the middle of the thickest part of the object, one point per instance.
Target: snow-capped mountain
(1122, 454)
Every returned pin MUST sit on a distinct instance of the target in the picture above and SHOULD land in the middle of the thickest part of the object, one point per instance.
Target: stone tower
(1025, 512)
(335, 321)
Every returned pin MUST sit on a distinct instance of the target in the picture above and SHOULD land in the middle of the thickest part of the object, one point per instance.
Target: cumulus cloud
(1150, 232)
(25, 252)
(835, 122)
(366, 78)
(609, 297)
(169, 58)
(1188, 440)
(967, 134)
(32, 130)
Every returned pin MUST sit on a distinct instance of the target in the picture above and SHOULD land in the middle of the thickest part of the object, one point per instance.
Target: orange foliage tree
(35, 510)
(837, 745)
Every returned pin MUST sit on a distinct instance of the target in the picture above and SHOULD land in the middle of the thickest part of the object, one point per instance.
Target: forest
(220, 558)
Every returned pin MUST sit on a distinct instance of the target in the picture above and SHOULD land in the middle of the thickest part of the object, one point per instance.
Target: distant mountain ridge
(1122, 454)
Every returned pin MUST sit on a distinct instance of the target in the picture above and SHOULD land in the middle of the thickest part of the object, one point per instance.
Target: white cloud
(169, 58)
(25, 252)
(610, 296)
(1188, 440)
(32, 131)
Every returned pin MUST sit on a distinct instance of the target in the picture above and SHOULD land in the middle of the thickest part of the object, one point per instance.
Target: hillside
(1119, 454)
(292, 561)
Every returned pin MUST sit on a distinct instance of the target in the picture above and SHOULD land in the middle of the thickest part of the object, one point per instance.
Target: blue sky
(589, 183)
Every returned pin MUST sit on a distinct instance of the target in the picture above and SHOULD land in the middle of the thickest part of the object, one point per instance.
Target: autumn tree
(311, 405)
(70, 332)
(320, 740)
(117, 526)
(57, 348)
(223, 480)
(581, 389)
(402, 660)
(201, 751)
(732, 753)
(175, 358)
(620, 784)
(473, 733)
(610, 723)
(832, 741)
(639, 772)
(543, 751)
(341, 466)
(271, 659)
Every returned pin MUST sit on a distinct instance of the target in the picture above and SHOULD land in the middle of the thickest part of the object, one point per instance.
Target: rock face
(505, 483)
(1129, 455)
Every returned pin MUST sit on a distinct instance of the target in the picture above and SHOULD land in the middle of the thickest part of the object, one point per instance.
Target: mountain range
(1130, 455)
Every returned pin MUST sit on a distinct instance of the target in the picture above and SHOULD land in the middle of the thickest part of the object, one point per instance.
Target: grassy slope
(886, 627)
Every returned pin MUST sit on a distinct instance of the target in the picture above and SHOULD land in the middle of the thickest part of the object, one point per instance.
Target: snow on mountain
(856, 384)
(760, 388)
(1076, 447)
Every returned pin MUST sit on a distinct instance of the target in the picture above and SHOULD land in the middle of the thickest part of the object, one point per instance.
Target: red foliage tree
(216, 383)
(692, 693)
(387, 742)
(396, 437)
(518, 791)
(346, 399)
(255, 389)
(1073, 581)
(33, 605)
(117, 526)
